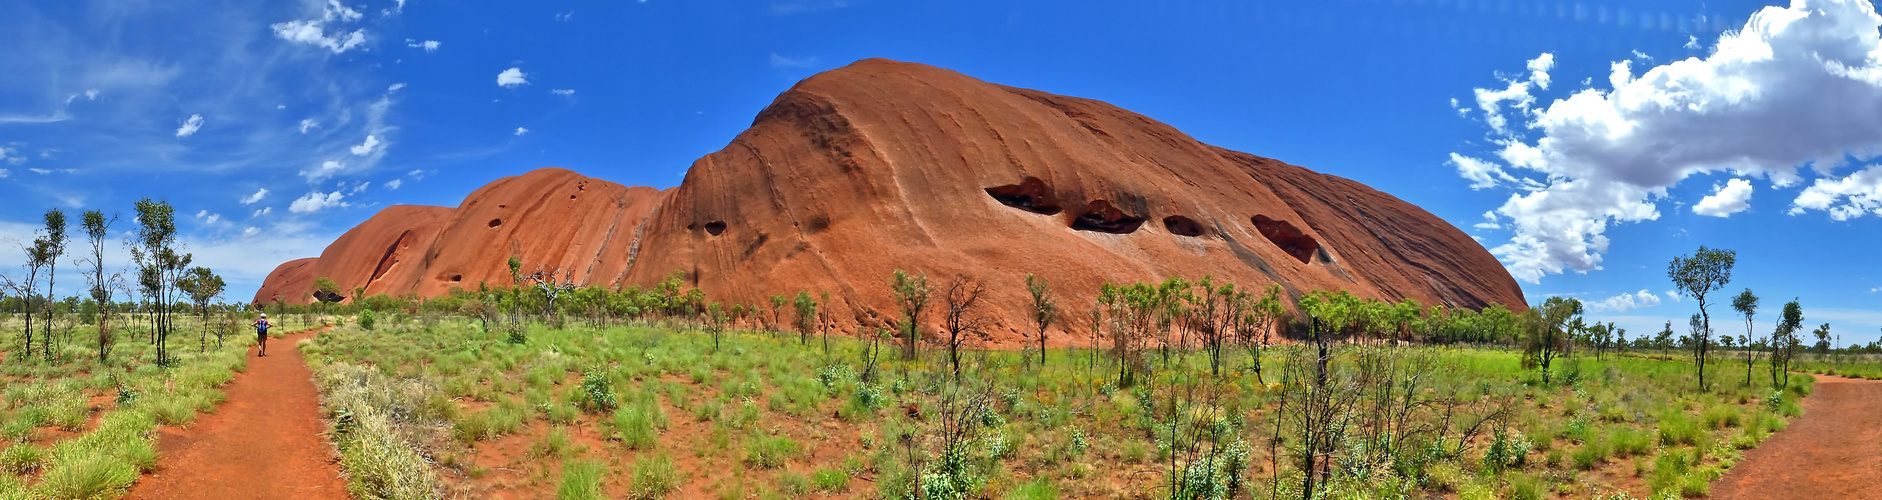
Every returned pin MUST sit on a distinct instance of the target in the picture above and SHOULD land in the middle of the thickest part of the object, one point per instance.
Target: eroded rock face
(881, 165)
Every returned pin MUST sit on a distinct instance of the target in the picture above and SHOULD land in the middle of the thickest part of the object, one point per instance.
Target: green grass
(765, 404)
(830, 480)
(581, 480)
(769, 452)
(655, 477)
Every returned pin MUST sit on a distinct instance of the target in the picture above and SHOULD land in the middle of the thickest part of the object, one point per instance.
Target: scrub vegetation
(1193, 390)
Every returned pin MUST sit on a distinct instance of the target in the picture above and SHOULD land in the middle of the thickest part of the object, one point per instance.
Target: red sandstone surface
(884, 165)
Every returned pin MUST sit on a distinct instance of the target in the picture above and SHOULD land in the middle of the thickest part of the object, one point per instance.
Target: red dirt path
(263, 442)
(1833, 451)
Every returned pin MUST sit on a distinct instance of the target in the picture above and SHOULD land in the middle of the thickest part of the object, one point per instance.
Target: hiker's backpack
(262, 328)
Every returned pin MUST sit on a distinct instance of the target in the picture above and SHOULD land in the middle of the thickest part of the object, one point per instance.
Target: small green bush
(368, 319)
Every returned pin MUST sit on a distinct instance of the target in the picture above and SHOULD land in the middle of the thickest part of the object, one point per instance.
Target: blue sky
(274, 126)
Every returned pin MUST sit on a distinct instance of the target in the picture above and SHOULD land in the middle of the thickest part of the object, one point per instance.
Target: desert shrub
(597, 391)
(368, 319)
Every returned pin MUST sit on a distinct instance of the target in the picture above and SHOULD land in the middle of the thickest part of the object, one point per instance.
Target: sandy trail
(1833, 451)
(263, 442)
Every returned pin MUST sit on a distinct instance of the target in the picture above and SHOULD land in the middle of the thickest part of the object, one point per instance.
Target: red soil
(263, 442)
(1833, 451)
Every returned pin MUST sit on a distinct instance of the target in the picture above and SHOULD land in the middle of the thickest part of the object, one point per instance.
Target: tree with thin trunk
(1255, 320)
(1784, 340)
(777, 318)
(911, 295)
(55, 241)
(159, 266)
(1706, 271)
(98, 227)
(806, 307)
(202, 286)
(1746, 303)
(960, 319)
(1549, 327)
(29, 289)
(1045, 309)
(1823, 341)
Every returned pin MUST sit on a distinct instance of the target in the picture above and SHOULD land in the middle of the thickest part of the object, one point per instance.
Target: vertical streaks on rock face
(881, 165)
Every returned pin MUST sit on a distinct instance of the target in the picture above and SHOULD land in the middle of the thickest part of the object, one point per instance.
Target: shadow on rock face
(1031, 194)
(1289, 238)
(1182, 226)
(1102, 217)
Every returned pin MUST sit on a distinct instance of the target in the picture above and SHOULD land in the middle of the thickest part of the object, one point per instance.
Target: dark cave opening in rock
(457, 278)
(1101, 216)
(1031, 194)
(496, 222)
(1287, 237)
(715, 227)
(1182, 226)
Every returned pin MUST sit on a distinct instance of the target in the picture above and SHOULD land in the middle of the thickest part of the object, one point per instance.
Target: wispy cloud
(780, 61)
(251, 199)
(521, 131)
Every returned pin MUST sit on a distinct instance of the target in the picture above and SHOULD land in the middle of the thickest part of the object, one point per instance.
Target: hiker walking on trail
(261, 333)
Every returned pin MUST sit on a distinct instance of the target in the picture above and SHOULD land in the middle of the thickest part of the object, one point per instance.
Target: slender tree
(202, 286)
(1550, 326)
(1823, 340)
(1045, 309)
(1784, 340)
(806, 307)
(97, 228)
(960, 318)
(55, 240)
(911, 295)
(1746, 303)
(159, 266)
(1706, 271)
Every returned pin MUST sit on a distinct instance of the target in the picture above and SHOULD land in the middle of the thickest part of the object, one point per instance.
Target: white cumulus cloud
(251, 199)
(1600, 157)
(251, 232)
(263, 211)
(190, 126)
(1733, 197)
(1847, 198)
(428, 45)
(564, 92)
(395, 183)
(317, 201)
(511, 78)
(366, 148)
(1625, 302)
(315, 31)
(309, 124)
(521, 131)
